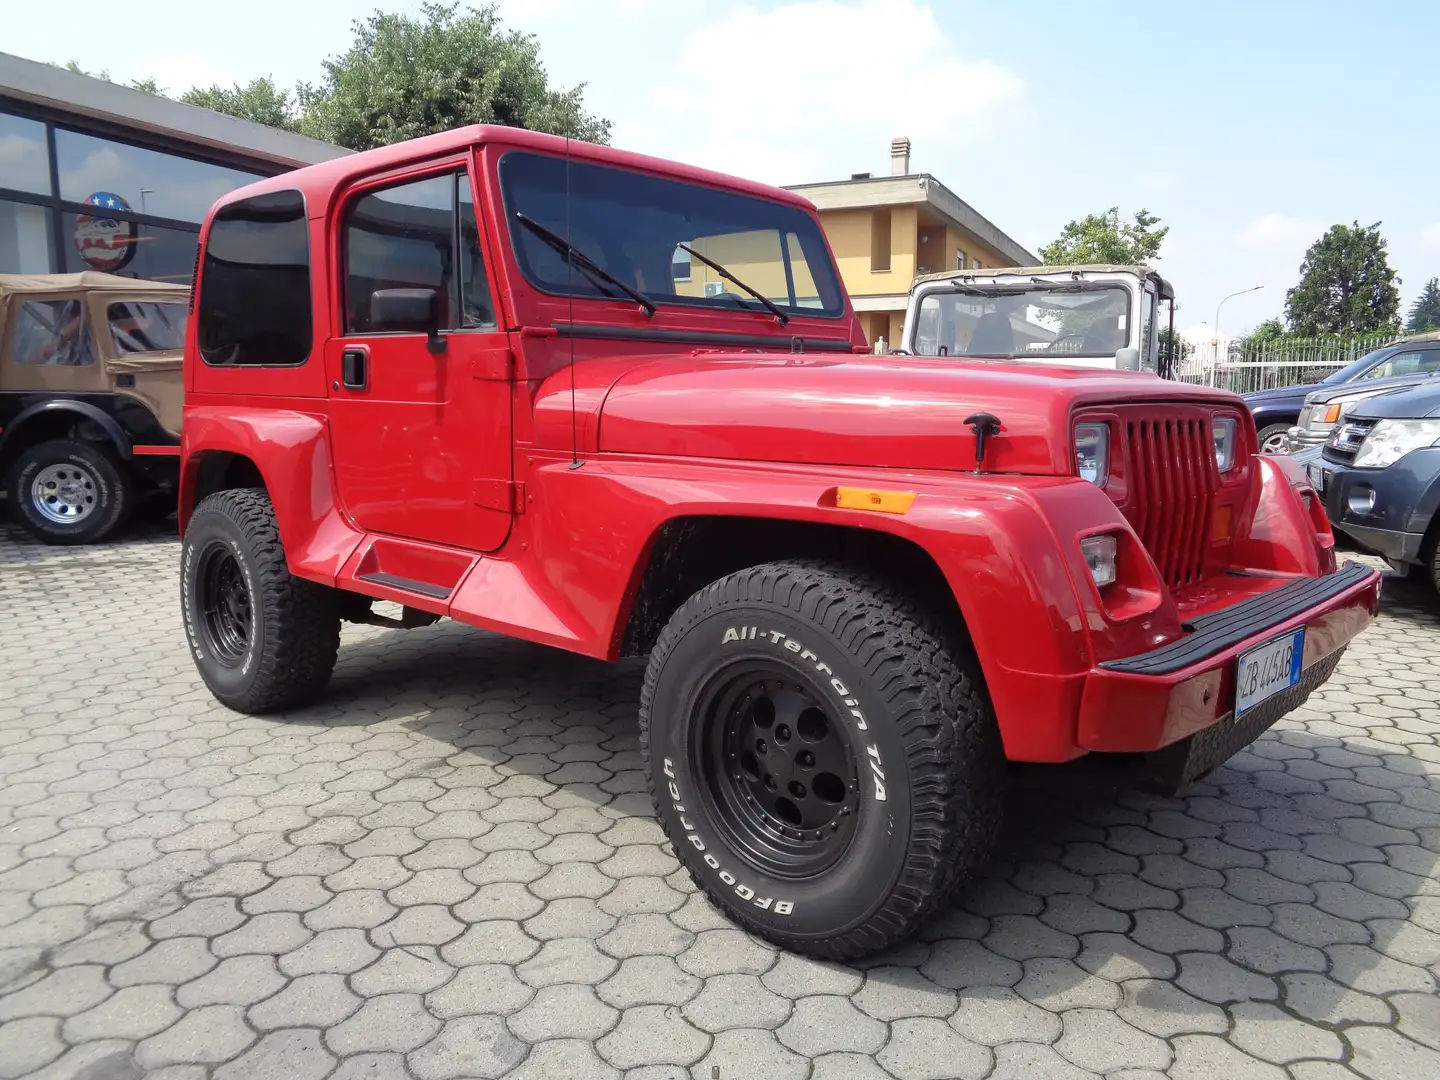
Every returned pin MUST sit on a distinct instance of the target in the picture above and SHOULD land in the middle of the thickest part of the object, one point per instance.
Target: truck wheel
(263, 639)
(824, 757)
(69, 492)
(1272, 438)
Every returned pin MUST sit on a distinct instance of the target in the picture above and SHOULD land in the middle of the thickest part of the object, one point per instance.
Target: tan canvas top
(88, 279)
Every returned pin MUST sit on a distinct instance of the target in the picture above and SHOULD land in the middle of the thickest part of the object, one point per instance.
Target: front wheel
(263, 639)
(824, 757)
(1274, 439)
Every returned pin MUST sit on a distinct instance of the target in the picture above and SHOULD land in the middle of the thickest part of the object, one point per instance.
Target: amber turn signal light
(880, 502)
(1332, 413)
(1220, 525)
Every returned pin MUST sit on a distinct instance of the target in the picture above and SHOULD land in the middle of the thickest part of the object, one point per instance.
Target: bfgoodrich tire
(262, 639)
(69, 492)
(824, 757)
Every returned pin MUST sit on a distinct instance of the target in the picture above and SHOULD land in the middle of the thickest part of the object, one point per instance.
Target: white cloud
(815, 90)
(1430, 235)
(1281, 232)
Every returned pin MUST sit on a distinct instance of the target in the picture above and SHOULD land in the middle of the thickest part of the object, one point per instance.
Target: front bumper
(1386, 511)
(1181, 696)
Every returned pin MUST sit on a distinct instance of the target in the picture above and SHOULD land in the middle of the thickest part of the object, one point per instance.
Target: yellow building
(888, 230)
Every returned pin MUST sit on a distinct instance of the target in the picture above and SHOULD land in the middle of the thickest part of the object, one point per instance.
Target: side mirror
(413, 310)
(1127, 359)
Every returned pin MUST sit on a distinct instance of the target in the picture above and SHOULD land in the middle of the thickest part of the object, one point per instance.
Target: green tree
(1265, 333)
(403, 77)
(1425, 314)
(260, 101)
(1104, 238)
(1346, 285)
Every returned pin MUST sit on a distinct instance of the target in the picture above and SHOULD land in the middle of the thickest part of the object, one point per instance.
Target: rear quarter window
(140, 326)
(255, 305)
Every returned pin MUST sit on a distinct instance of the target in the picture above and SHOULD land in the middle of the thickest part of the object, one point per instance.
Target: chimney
(900, 156)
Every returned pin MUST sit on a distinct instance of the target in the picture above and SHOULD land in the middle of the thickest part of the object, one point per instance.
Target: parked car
(1379, 475)
(1326, 407)
(1276, 411)
(90, 400)
(471, 374)
(1098, 316)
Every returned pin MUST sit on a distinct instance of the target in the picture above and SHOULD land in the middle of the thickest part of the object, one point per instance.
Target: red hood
(895, 412)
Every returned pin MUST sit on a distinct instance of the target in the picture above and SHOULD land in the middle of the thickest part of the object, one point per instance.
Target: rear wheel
(69, 492)
(263, 639)
(1274, 439)
(824, 756)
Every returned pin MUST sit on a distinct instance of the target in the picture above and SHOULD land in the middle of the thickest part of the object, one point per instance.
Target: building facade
(95, 176)
(888, 230)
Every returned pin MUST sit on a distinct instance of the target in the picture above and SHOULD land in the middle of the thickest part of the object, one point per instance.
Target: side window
(476, 307)
(255, 283)
(418, 235)
(142, 326)
(52, 333)
(1410, 362)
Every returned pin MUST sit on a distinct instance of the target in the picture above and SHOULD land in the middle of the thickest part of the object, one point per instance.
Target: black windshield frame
(667, 211)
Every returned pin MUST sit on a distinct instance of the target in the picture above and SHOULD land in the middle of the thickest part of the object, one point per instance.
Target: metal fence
(1273, 364)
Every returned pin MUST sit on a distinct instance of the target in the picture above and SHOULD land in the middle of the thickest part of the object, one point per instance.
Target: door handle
(355, 369)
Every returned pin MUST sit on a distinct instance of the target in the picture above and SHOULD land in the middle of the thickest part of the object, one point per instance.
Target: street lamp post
(1215, 341)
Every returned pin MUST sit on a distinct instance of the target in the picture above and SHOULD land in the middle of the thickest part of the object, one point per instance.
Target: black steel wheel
(778, 774)
(225, 615)
(823, 755)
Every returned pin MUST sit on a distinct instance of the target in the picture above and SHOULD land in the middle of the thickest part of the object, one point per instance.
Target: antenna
(575, 461)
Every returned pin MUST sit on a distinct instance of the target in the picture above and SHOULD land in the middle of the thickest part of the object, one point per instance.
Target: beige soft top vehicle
(90, 399)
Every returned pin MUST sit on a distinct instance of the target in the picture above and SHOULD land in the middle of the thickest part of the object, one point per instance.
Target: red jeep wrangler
(621, 406)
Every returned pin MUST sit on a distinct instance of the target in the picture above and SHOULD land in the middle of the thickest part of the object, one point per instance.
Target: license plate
(1267, 669)
(1317, 476)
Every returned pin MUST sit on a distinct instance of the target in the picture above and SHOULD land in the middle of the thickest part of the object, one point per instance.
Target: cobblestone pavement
(451, 869)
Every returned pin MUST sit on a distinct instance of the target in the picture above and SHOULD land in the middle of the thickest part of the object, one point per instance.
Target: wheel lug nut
(782, 733)
(805, 759)
(770, 782)
(761, 746)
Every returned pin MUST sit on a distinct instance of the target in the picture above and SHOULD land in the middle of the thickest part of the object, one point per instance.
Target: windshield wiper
(780, 316)
(578, 258)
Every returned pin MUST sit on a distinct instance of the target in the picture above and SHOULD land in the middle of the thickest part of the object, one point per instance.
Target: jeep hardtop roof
(1165, 289)
(340, 171)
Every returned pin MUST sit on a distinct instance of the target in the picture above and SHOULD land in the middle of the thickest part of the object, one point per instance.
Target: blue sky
(1248, 127)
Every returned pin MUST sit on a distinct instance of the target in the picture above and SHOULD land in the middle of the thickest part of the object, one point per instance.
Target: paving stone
(361, 908)
(1163, 1009)
(1126, 893)
(1167, 932)
(1206, 1057)
(1362, 968)
(569, 917)
(567, 960)
(992, 1015)
(959, 963)
(240, 980)
(796, 976)
(567, 1011)
(338, 951)
(718, 952)
(652, 1035)
(645, 934)
(1382, 1054)
(29, 1044)
(205, 1036)
(61, 993)
(1028, 1061)
(490, 943)
(564, 1058)
(1024, 937)
(318, 1001)
(736, 1001)
(413, 970)
(206, 917)
(1076, 915)
(648, 980)
(751, 1053)
(1103, 1042)
(273, 933)
(1305, 925)
(824, 1024)
(1262, 887)
(1317, 998)
(1418, 1017)
(501, 900)
(281, 1055)
(840, 1067)
(1060, 985)
(1116, 957)
(1263, 1031)
(130, 1013)
(396, 1022)
(922, 1048)
(483, 988)
(468, 1046)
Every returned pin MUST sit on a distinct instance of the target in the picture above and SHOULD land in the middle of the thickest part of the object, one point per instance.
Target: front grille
(1170, 484)
(1349, 434)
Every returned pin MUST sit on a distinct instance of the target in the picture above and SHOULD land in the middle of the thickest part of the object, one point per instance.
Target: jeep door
(420, 395)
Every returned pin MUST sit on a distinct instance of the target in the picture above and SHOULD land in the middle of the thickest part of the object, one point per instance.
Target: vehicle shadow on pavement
(1300, 880)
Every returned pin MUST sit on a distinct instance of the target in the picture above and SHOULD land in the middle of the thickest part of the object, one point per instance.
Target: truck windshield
(1023, 320)
(633, 225)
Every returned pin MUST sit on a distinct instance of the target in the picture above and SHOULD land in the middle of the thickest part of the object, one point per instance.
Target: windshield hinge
(797, 344)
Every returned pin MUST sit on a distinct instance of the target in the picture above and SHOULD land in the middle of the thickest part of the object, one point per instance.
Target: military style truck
(621, 406)
(1099, 316)
(90, 400)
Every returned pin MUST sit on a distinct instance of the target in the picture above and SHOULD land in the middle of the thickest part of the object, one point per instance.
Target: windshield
(143, 326)
(1024, 320)
(631, 225)
(1351, 371)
